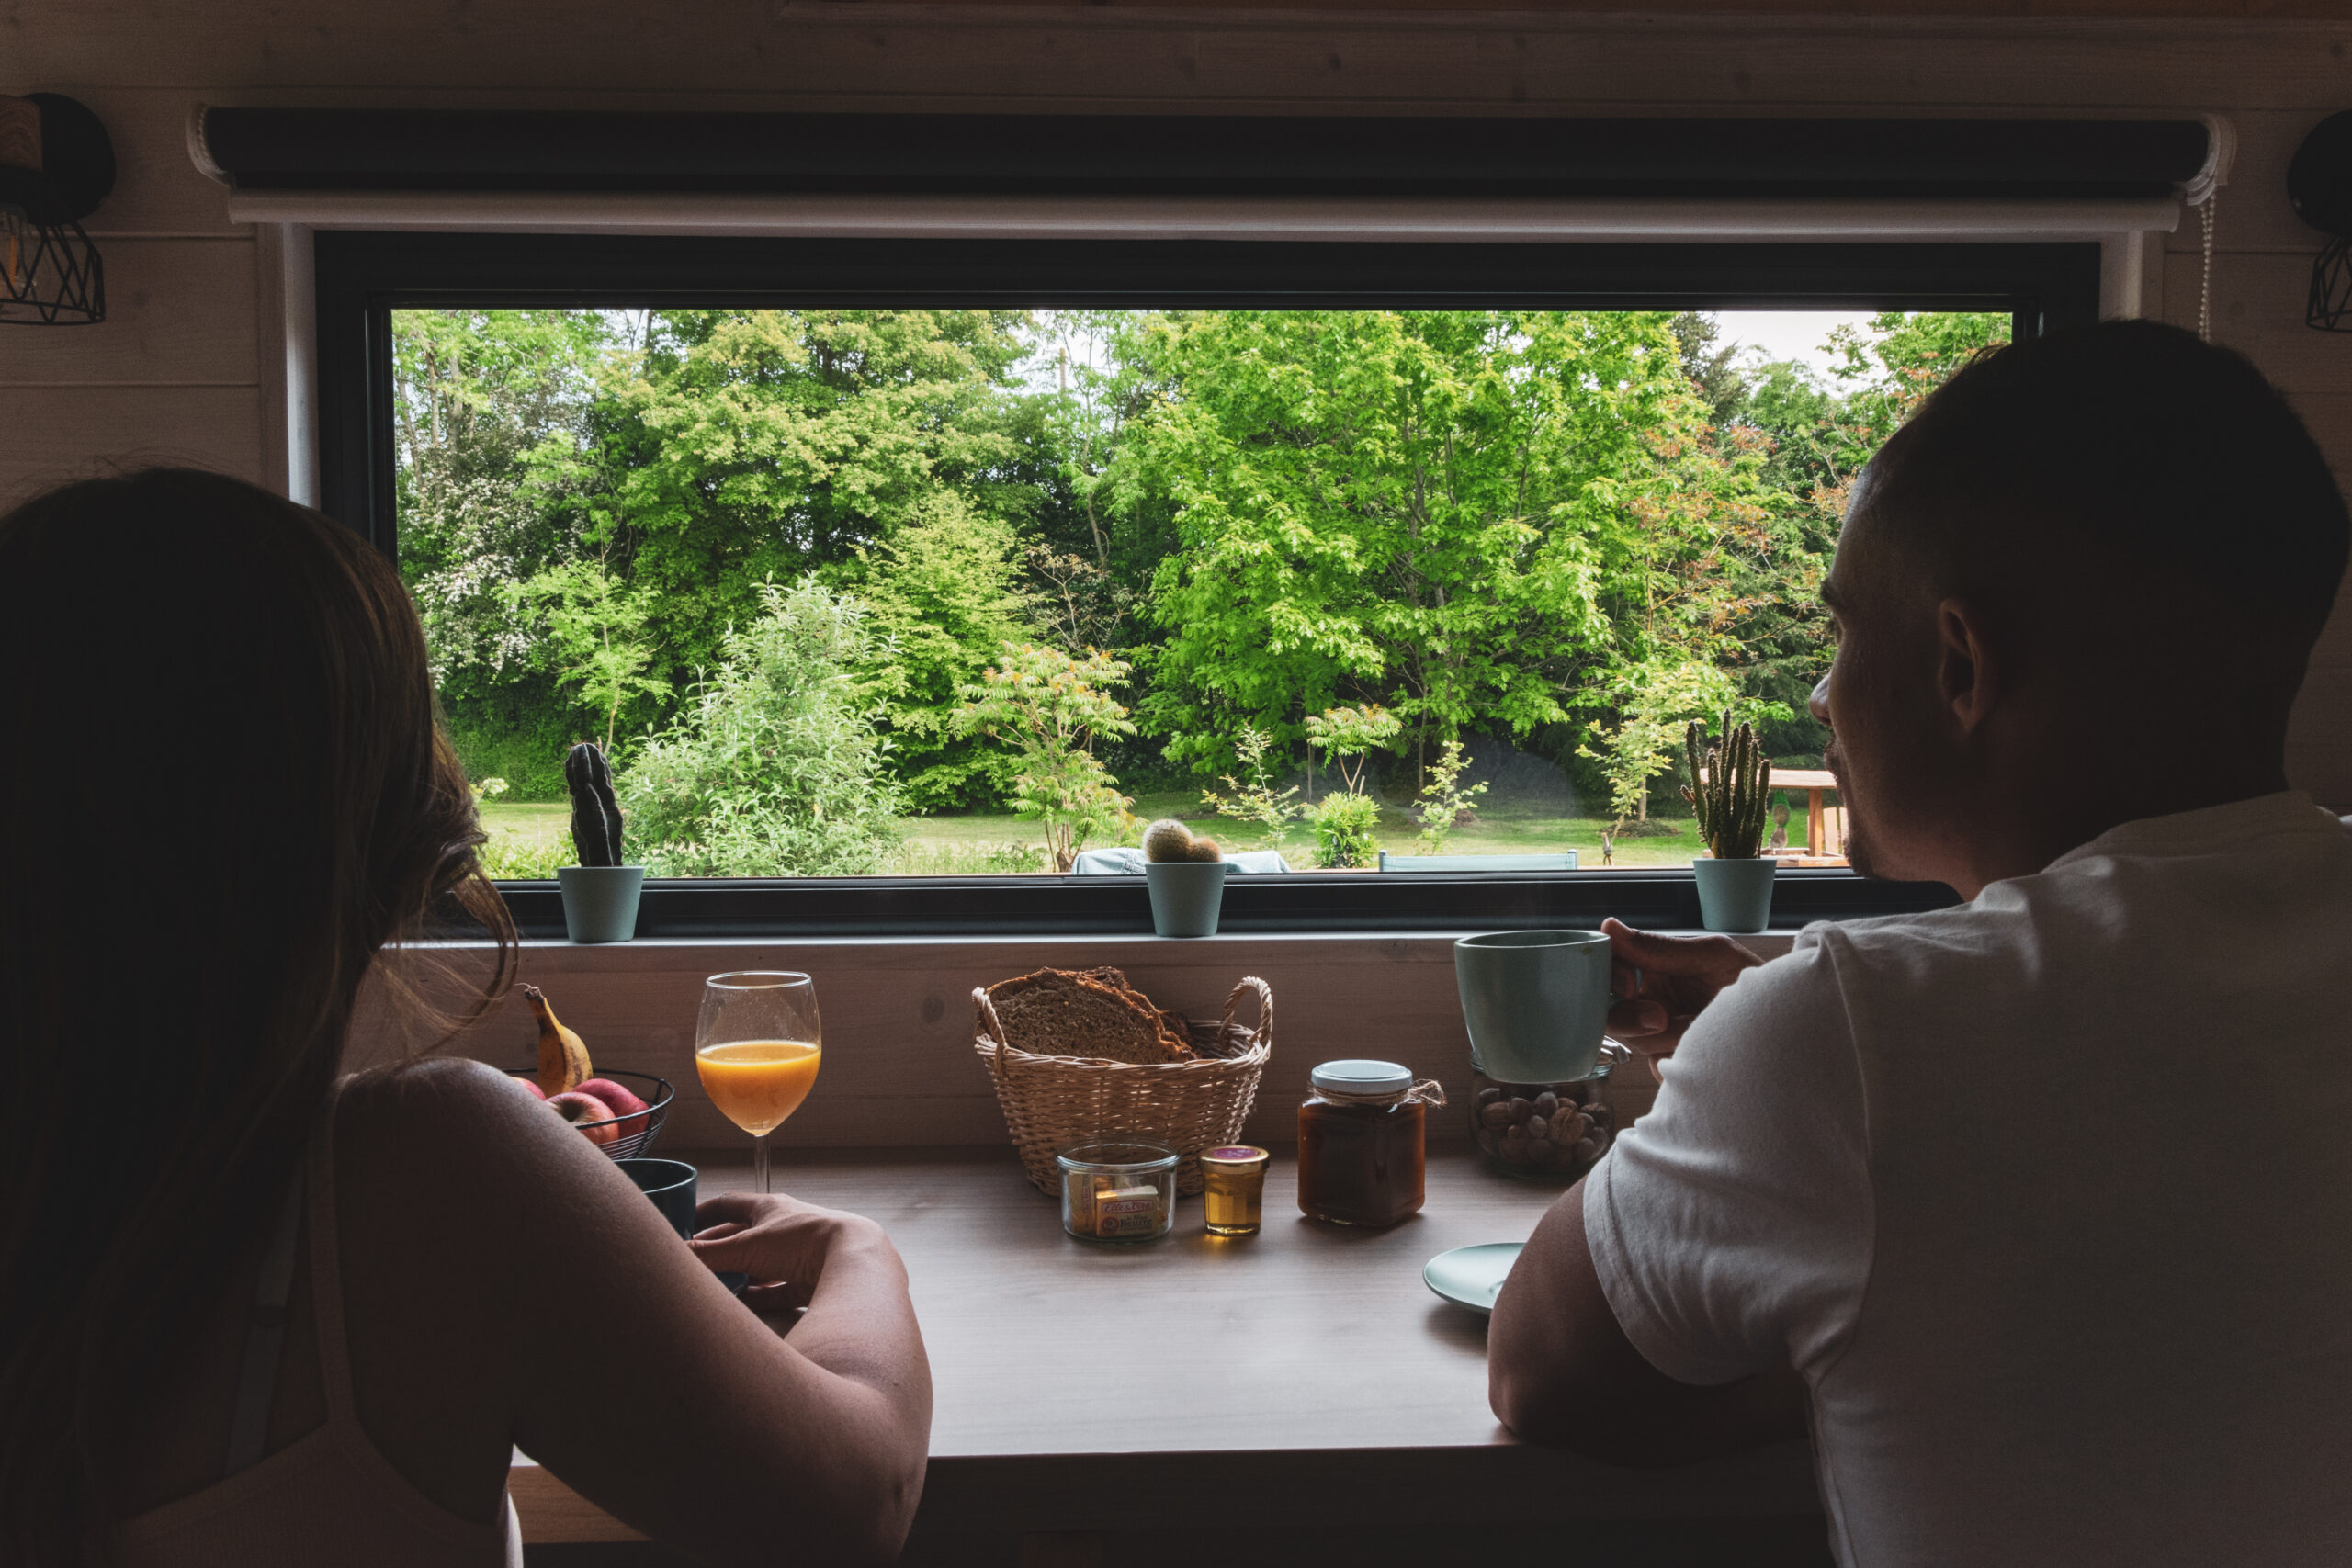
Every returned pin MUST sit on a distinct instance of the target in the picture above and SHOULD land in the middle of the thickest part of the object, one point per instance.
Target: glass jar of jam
(1361, 1136)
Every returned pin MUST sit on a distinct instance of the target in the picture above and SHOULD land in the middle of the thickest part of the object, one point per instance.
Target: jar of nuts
(1550, 1132)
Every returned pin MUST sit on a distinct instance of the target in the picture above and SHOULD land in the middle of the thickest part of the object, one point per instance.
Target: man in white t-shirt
(2039, 1208)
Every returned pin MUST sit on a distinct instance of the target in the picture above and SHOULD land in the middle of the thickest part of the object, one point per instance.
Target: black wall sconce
(2319, 185)
(56, 165)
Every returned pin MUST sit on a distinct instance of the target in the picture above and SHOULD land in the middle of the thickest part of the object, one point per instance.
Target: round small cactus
(1205, 847)
(1167, 839)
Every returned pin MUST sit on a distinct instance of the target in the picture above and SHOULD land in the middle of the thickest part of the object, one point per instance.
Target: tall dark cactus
(1730, 788)
(596, 815)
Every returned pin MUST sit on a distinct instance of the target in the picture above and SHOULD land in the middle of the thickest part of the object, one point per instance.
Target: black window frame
(363, 275)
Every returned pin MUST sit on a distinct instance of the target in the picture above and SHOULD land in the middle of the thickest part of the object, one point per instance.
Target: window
(1423, 549)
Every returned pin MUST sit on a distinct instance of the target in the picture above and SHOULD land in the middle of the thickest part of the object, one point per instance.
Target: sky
(1787, 335)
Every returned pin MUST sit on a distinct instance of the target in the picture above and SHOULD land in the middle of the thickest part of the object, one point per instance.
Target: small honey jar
(1233, 1188)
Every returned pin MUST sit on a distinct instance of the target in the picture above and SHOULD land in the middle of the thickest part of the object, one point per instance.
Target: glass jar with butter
(1118, 1191)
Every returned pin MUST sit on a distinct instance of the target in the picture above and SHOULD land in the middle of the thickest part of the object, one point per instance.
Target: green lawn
(531, 838)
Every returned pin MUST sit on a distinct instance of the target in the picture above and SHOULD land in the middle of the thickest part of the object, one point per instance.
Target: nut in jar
(1552, 1131)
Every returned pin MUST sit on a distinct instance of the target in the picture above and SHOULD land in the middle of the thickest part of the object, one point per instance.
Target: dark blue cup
(670, 1183)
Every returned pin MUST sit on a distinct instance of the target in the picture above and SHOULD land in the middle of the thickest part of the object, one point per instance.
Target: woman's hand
(1662, 983)
(782, 1243)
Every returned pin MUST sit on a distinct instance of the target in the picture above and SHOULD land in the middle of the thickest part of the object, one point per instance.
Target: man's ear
(1969, 671)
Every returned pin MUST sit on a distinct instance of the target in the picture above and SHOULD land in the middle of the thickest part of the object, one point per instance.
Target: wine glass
(756, 1047)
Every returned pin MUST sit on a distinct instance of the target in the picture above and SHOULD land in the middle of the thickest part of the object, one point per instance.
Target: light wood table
(1305, 1366)
(1815, 783)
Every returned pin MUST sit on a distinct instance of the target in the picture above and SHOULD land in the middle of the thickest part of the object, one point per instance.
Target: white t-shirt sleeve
(1731, 1227)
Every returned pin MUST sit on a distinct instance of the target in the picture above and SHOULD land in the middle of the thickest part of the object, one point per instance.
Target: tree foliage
(1354, 536)
(1049, 707)
(774, 766)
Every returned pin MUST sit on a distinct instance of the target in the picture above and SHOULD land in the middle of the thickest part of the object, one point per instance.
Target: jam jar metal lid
(1361, 1075)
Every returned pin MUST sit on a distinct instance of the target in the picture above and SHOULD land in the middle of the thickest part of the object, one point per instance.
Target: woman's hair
(222, 792)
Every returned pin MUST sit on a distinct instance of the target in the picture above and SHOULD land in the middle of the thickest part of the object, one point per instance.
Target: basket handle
(1265, 1008)
(992, 1028)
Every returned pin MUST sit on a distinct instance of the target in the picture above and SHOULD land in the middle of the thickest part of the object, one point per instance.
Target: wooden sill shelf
(1309, 1362)
(899, 1068)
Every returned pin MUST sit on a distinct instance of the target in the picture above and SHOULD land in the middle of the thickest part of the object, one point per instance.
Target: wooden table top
(1802, 778)
(1305, 1355)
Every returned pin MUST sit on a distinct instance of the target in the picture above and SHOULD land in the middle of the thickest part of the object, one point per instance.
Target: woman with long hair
(251, 1311)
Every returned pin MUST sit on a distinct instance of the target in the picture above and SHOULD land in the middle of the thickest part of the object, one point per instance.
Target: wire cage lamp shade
(2330, 306)
(56, 165)
(2319, 185)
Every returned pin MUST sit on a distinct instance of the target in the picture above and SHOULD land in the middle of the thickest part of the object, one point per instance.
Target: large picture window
(904, 584)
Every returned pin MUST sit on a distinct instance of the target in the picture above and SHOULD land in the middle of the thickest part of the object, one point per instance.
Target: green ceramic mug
(1535, 1002)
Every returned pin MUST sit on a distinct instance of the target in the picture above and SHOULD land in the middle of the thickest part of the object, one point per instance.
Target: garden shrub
(1346, 832)
(521, 857)
(773, 768)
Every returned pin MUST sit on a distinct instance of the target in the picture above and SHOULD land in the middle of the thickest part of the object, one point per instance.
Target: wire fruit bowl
(639, 1129)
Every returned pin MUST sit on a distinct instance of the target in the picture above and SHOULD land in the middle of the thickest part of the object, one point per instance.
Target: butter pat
(1126, 1211)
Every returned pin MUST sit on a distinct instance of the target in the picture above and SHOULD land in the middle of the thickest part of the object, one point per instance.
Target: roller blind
(264, 150)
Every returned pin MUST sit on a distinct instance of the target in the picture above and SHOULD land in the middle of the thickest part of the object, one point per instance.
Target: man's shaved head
(2080, 585)
(2108, 477)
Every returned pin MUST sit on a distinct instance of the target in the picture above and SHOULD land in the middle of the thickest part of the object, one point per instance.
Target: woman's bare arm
(620, 1363)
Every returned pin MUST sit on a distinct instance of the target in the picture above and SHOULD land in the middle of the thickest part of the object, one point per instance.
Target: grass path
(530, 838)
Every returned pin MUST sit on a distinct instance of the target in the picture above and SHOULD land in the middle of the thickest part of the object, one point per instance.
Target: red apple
(580, 1109)
(536, 1092)
(623, 1102)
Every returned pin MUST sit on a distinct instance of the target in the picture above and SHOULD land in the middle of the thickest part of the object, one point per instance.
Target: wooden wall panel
(1493, 61)
(179, 312)
(55, 434)
(157, 189)
(2258, 310)
(899, 1068)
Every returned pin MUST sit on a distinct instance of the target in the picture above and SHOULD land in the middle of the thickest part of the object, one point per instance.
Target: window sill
(1304, 903)
(900, 1069)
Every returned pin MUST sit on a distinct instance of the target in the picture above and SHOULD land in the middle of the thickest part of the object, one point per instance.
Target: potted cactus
(600, 894)
(1186, 875)
(1730, 791)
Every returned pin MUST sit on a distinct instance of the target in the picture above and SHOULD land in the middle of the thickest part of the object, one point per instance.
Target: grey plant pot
(1735, 895)
(1185, 895)
(600, 901)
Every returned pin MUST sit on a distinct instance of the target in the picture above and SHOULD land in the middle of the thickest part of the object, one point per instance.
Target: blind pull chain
(2205, 284)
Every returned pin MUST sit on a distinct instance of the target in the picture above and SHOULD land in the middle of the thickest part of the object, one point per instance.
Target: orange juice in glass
(757, 1049)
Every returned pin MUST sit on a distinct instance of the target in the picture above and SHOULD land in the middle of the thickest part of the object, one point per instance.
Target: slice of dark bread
(1057, 1012)
(1173, 1027)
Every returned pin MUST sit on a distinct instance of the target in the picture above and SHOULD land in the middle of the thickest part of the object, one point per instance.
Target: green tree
(475, 395)
(1422, 509)
(1343, 734)
(1050, 707)
(1257, 800)
(768, 443)
(776, 766)
(945, 592)
(597, 635)
(1444, 801)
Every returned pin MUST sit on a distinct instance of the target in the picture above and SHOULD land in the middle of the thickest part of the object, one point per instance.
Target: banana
(563, 1059)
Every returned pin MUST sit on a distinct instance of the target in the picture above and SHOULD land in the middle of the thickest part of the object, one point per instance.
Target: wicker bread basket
(1053, 1102)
